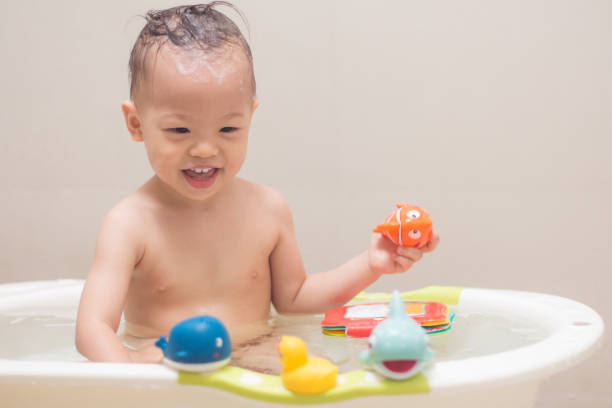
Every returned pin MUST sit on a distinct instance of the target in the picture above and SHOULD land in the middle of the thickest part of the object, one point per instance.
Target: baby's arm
(119, 248)
(293, 291)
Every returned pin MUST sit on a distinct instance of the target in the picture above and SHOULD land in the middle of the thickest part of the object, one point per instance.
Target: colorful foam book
(359, 320)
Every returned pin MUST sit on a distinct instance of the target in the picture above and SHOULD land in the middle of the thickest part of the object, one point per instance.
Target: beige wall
(494, 116)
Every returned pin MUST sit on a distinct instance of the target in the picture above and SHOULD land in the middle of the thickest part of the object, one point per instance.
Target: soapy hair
(198, 26)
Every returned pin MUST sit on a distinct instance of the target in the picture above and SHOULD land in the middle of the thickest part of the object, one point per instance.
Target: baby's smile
(200, 177)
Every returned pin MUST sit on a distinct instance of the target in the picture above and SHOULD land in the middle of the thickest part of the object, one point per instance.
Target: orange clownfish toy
(407, 226)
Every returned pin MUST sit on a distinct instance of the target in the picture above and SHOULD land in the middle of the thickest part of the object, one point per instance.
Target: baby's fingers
(148, 355)
(433, 242)
(411, 253)
(403, 262)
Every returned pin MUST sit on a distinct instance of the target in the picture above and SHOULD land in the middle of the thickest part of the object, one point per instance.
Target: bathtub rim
(577, 326)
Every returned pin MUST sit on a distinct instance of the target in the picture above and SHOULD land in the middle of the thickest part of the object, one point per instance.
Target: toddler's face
(195, 113)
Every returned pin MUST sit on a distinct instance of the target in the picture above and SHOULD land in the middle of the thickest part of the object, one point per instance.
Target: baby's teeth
(198, 170)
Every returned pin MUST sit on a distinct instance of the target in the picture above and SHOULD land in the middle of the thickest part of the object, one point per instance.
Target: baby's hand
(386, 257)
(150, 354)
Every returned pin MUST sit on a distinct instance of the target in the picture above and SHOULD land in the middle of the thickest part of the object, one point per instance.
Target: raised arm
(119, 247)
(294, 291)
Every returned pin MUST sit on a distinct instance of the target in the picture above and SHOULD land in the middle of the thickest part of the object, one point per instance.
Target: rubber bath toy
(407, 226)
(302, 374)
(398, 346)
(198, 344)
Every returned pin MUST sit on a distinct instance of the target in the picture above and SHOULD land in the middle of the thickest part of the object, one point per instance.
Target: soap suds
(203, 66)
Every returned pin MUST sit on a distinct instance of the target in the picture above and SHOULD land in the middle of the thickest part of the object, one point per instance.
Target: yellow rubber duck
(302, 374)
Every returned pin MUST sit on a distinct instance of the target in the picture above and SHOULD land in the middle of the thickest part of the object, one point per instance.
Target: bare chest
(197, 263)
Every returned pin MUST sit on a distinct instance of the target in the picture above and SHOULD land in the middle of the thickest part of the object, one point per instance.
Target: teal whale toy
(398, 346)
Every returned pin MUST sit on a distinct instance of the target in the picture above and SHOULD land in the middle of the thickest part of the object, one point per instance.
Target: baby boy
(181, 245)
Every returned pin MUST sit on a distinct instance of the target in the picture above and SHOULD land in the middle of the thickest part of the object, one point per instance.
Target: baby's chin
(179, 190)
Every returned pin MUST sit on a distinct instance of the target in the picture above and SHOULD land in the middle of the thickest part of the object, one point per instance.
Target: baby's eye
(228, 129)
(180, 130)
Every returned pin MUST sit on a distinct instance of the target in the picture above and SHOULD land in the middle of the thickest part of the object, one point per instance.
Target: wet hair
(198, 26)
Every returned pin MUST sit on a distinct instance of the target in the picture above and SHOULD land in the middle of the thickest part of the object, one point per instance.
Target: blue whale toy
(198, 344)
(398, 345)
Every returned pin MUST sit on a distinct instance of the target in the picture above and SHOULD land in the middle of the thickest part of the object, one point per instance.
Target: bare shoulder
(121, 240)
(129, 212)
(127, 222)
(265, 198)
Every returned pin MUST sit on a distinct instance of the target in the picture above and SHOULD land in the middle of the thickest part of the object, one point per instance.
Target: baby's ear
(132, 120)
(255, 105)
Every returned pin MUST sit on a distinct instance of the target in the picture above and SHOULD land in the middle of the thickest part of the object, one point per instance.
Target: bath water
(48, 335)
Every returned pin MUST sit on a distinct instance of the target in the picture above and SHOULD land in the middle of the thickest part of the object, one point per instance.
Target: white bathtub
(501, 379)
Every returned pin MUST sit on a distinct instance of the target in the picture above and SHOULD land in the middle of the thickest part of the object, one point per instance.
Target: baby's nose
(204, 149)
